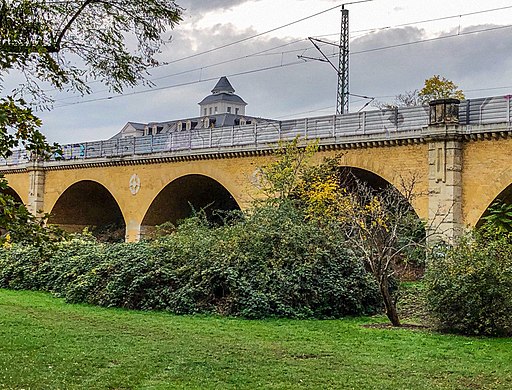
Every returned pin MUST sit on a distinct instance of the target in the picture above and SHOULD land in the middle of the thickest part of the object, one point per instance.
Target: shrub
(270, 263)
(469, 286)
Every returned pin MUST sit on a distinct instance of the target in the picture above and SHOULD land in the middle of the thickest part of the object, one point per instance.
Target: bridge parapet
(477, 117)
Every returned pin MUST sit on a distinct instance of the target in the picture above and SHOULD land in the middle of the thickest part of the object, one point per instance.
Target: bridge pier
(134, 231)
(36, 187)
(445, 220)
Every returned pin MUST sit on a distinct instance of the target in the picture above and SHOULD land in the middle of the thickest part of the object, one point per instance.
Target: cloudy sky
(395, 45)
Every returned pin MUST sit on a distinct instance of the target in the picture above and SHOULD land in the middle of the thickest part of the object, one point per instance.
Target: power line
(246, 39)
(375, 29)
(285, 52)
(431, 39)
(184, 84)
(281, 66)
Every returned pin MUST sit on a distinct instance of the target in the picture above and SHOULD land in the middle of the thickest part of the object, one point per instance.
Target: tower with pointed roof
(222, 100)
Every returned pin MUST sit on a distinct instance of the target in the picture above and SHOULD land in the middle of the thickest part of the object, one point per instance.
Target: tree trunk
(389, 304)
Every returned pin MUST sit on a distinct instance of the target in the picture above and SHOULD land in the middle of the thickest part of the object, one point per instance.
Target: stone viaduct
(460, 162)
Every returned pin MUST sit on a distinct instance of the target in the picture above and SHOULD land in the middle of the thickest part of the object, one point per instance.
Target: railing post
(306, 128)
(255, 129)
(508, 97)
(333, 126)
(232, 135)
(211, 136)
(468, 112)
(279, 130)
(190, 140)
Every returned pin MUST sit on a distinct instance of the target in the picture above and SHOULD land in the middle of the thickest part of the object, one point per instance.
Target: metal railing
(389, 123)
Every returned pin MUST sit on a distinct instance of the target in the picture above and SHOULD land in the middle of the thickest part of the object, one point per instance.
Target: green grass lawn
(48, 344)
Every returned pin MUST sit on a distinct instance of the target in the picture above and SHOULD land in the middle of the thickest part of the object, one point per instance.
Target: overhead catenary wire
(287, 44)
(281, 66)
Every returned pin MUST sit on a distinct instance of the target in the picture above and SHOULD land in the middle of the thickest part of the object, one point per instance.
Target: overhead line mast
(343, 85)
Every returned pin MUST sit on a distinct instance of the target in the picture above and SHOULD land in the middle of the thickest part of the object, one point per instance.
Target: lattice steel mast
(343, 90)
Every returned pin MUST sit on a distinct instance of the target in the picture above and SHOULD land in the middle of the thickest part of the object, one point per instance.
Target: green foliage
(20, 127)
(438, 87)
(272, 263)
(66, 43)
(500, 216)
(281, 178)
(18, 225)
(469, 286)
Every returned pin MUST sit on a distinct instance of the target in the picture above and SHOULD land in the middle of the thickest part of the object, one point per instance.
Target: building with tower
(223, 108)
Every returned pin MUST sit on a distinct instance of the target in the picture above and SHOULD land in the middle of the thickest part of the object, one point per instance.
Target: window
(210, 111)
(236, 110)
(216, 110)
(180, 126)
(150, 131)
(205, 112)
(229, 110)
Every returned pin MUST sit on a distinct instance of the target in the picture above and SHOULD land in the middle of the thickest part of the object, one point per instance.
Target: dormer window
(179, 126)
(242, 121)
(206, 123)
(189, 125)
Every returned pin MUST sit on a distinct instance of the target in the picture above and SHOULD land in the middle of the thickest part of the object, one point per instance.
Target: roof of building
(223, 86)
(226, 97)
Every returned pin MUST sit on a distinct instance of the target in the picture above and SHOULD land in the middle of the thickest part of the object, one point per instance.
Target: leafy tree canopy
(438, 87)
(66, 43)
(435, 87)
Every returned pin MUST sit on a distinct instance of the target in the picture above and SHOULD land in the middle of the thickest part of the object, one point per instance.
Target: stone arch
(10, 191)
(87, 203)
(185, 193)
(376, 182)
(504, 196)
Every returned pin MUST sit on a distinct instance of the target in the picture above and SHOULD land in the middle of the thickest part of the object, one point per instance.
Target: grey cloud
(191, 6)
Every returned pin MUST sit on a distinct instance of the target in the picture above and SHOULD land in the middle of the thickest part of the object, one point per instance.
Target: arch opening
(410, 265)
(181, 197)
(88, 204)
(504, 197)
(9, 191)
(350, 175)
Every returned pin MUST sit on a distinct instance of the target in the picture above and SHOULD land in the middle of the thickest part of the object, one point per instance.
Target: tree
(67, 43)
(377, 224)
(438, 87)
(406, 99)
